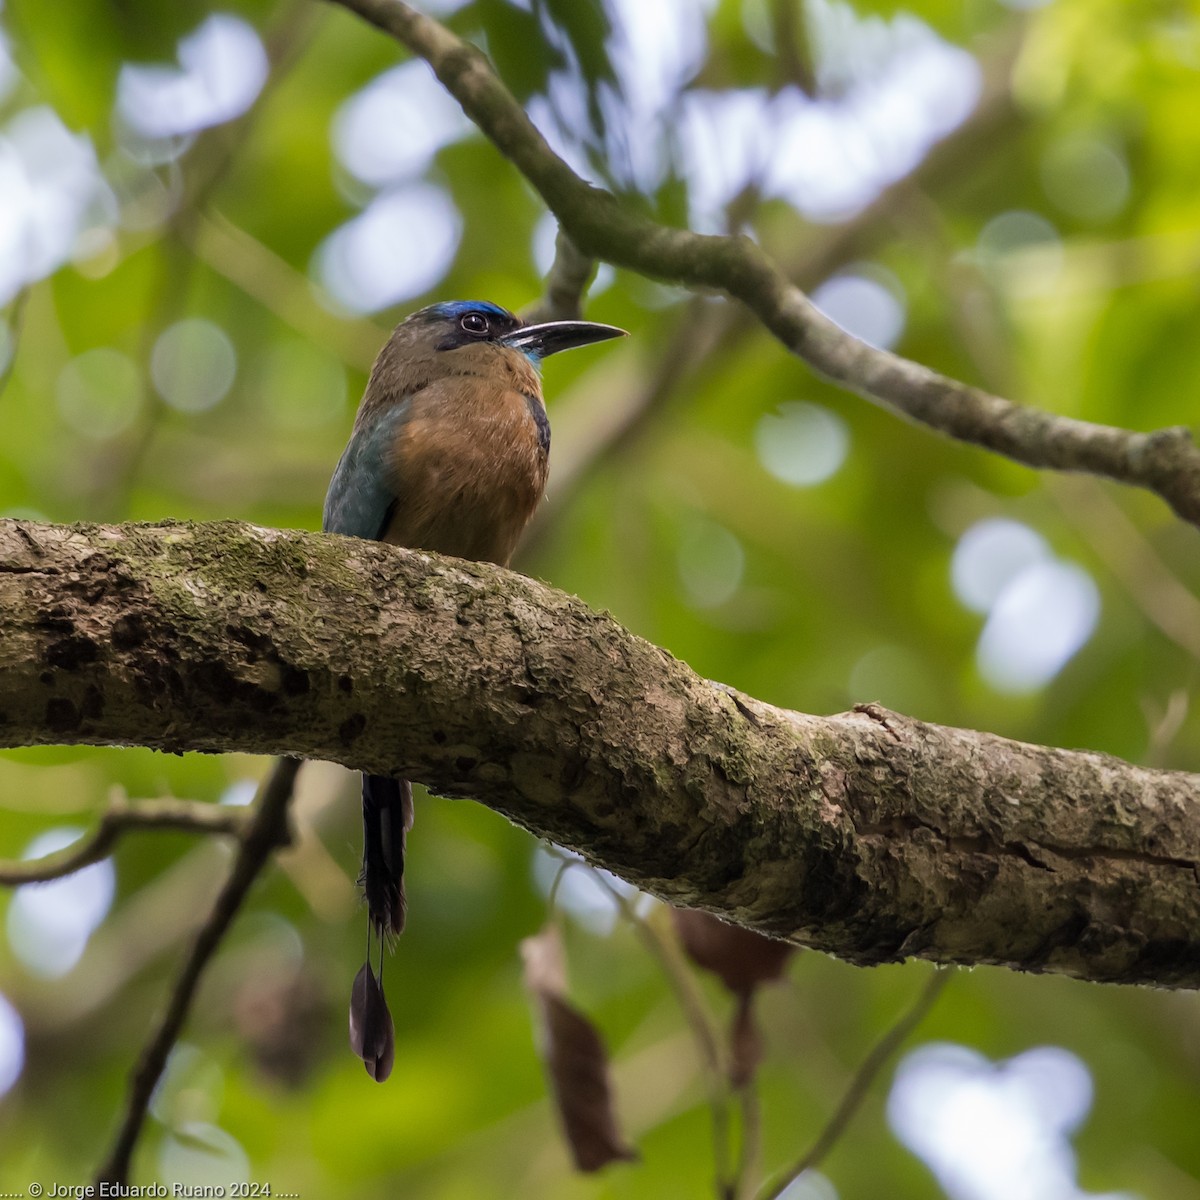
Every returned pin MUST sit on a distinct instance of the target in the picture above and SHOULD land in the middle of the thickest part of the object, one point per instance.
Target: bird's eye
(474, 322)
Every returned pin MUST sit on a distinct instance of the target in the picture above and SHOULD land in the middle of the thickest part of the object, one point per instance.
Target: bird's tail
(387, 817)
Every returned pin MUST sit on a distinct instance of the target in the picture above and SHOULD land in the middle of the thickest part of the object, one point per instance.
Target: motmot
(449, 452)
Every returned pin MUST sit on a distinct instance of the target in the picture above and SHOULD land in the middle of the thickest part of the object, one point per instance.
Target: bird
(449, 453)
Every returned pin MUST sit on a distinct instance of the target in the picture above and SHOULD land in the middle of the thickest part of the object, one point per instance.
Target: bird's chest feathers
(469, 466)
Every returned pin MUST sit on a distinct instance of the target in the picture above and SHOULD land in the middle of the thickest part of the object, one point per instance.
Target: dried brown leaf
(576, 1060)
(743, 960)
(740, 958)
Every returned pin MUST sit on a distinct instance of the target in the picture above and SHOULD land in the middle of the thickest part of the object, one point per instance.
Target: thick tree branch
(869, 835)
(1165, 462)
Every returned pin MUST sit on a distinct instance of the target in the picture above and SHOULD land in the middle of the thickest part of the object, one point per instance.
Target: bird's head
(457, 323)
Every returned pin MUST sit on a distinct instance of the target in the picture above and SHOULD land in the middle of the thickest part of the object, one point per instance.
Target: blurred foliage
(813, 597)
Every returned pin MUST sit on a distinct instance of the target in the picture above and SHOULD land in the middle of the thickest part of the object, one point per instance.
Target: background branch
(265, 832)
(661, 942)
(706, 335)
(566, 284)
(1165, 462)
(856, 1092)
(187, 816)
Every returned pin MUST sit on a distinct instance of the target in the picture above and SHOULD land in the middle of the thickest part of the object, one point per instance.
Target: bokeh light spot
(990, 1131)
(201, 1155)
(95, 253)
(400, 245)
(146, 202)
(222, 68)
(1016, 229)
(12, 1045)
(193, 364)
(391, 129)
(890, 90)
(990, 554)
(240, 793)
(580, 891)
(1086, 177)
(725, 140)
(99, 392)
(51, 188)
(656, 49)
(810, 1185)
(1038, 622)
(802, 444)
(190, 1089)
(49, 923)
(711, 564)
(545, 236)
(1031, 237)
(864, 305)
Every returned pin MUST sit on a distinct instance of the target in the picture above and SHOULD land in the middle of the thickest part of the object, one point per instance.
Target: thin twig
(566, 284)
(265, 832)
(564, 865)
(665, 949)
(188, 816)
(854, 1095)
(1165, 462)
(751, 1142)
(1164, 599)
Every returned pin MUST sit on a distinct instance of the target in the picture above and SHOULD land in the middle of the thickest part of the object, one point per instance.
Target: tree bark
(868, 835)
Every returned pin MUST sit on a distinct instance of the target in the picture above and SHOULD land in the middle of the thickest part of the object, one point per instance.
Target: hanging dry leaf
(743, 960)
(740, 958)
(372, 1035)
(576, 1060)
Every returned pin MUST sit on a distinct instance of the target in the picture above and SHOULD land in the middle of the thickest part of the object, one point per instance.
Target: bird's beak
(540, 341)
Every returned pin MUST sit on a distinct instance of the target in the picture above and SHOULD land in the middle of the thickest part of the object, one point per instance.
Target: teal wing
(362, 495)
